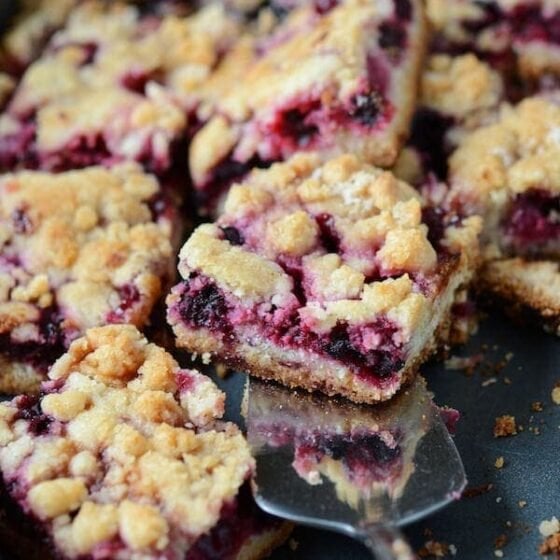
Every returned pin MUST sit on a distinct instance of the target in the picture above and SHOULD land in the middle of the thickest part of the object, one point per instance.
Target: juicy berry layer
(240, 520)
(304, 125)
(41, 350)
(374, 351)
(532, 223)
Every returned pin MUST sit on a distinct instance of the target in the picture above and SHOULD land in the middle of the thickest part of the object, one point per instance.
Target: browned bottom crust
(532, 286)
(261, 545)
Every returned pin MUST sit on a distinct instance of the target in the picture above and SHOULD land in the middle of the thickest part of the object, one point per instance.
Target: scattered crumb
(222, 371)
(434, 549)
(498, 499)
(505, 426)
(522, 503)
(556, 394)
(489, 381)
(551, 545)
(468, 364)
(499, 463)
(206, 358)
(293, 544)
(507, 380)
(501, 541)
(509, 356)
(499, 553)
(537, 406)
(473, 491)
(549, 526)
(508, 523)
(452, 550)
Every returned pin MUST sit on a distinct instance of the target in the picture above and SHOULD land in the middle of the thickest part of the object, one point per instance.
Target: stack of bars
(355, 168)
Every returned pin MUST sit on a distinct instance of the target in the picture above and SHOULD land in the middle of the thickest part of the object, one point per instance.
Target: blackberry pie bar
(121, 457)
(125, 88)
(509, 174)
(332, 77)
(77, 250)
(323, 276)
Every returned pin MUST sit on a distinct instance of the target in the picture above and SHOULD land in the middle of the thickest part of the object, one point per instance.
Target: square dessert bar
(77, 249)
(120, 457)
(124, 89)
(323, 277)
(331, 77)
(511, 34)
(509, 173)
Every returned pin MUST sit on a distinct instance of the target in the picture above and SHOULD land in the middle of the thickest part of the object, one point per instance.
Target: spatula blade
(336, 465)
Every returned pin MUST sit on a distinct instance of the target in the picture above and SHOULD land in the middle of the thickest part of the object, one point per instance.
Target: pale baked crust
(80, 247)
(276, 212)
(321, 61)
(531, 286)
(127, 446)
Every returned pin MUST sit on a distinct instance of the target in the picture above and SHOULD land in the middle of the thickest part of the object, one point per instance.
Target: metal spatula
(362, 471)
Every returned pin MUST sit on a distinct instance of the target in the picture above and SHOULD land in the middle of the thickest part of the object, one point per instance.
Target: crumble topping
(354, 61)
(84, 241)
(520, 152)
(368, 207)
(459, 86)
(124, 456)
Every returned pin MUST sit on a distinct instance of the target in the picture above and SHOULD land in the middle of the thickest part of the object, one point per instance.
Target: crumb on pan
(505, 426)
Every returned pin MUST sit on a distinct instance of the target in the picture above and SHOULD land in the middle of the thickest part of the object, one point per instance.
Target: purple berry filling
(427, 136)
(359, 451)
(239, 520)
(533, 220)
(42, 351)
(233, 235)
(29, 408)
(330, 239)
(129, 297)
(18, 149)
(203, 305)
(403, 9)
(21, 221)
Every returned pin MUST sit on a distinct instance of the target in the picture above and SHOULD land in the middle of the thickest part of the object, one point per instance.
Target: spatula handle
(387, 543)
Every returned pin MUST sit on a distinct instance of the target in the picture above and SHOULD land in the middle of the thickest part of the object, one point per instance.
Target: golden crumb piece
(551, 545)
(505, 426)
(499, 463)
(434, 549)
(555, 395)
(537, 406)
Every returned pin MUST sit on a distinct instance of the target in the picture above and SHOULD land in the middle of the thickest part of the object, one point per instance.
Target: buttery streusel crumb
(121, 449)
(78, 249)
(505, 426)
